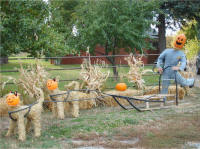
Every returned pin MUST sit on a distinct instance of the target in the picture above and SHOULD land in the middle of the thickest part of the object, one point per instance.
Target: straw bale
(171, 90)
(110, 102)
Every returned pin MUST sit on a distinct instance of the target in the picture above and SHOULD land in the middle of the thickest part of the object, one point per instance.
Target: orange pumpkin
(180, 41)
(52, 84)
(12, 99)
(121, 87)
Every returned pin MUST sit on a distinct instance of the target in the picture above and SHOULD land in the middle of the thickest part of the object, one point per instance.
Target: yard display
(77, 96)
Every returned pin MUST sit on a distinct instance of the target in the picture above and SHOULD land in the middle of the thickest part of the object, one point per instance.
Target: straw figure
(32, 81)
(59, 98)
(21, 112)
(80, 96)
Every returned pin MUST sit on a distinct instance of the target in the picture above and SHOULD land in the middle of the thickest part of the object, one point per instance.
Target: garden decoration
(93, 79)
(179, 41)
(32, 80)
(170, 59)
(151, 97)
(58, 107)
(32, 113)
(121, 87)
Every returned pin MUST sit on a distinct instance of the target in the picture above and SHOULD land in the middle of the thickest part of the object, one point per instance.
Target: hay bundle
(171, 90)
(136, 71)
(110, 102)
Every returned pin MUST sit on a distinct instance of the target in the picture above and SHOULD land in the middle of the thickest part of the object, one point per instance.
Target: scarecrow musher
(167, 65)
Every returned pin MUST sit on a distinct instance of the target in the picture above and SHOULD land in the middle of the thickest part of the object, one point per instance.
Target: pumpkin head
(52, 84)
(179, 41)
(12, 99)
(121, 87)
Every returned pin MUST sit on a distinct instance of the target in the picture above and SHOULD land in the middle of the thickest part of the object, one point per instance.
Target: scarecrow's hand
(160, 70)
(175, 68)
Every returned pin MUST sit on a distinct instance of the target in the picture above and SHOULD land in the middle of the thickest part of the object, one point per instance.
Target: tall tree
(113, 25)
(24, 28)
(176, 12)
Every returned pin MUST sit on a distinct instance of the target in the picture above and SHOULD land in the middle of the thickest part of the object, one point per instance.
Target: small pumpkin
(121, 86)
(180, 41)
(52, 84)
(12, 99)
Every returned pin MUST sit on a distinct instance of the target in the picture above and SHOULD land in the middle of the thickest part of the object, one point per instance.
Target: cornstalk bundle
(32, 78)
(136, 71)
(92, 75)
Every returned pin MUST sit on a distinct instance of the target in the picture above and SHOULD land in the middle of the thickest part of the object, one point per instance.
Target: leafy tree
(192, 48)
(176, 12)
(112, 24)
(191, 31)
(24, 28)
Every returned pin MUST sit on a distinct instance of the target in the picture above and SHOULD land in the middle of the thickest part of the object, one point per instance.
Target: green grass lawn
(69, 74)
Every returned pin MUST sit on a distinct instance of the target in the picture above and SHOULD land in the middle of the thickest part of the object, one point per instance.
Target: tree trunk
(112, 61)
(115, 72)
(161, 33)
(3, 60)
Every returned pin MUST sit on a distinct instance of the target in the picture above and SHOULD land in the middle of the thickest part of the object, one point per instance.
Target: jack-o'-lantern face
(12, 99)
(52, 84)
(180, 41)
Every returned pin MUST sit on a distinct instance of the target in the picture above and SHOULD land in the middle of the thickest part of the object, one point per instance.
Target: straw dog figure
(31, 113)
(58, 105)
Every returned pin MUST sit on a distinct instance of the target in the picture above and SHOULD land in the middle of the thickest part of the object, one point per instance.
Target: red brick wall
(119, 60)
